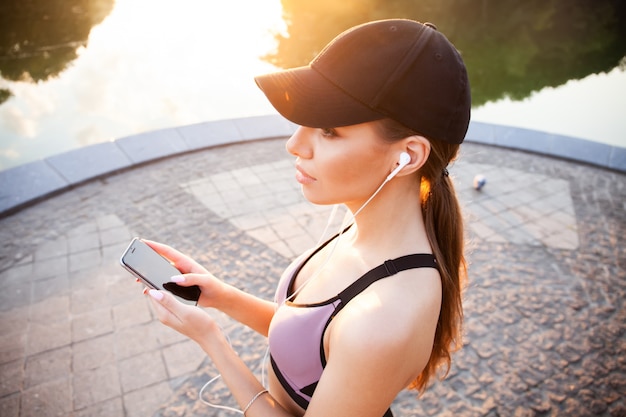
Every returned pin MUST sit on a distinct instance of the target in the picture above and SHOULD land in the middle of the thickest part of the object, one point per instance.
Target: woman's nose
(298, 144)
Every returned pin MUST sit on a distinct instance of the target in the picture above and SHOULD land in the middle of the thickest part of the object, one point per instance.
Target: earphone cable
(342, 229)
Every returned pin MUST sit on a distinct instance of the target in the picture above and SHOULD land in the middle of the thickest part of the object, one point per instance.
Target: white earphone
(402, 162)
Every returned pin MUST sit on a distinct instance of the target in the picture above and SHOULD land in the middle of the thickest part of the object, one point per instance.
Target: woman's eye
(328, 132)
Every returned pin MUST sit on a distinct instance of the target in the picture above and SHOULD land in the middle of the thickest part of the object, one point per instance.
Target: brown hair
(444, 228)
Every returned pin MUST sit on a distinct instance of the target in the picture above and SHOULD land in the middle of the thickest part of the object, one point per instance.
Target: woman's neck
(392, 222)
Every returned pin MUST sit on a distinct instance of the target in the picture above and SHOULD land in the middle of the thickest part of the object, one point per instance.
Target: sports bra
(296, 332)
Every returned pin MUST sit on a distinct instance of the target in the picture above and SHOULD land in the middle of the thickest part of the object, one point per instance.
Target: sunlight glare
(185, 54)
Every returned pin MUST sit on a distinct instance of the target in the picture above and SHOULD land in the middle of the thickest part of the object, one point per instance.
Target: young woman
(382, 109)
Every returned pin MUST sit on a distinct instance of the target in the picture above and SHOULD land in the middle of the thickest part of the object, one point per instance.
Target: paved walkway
(545, 310)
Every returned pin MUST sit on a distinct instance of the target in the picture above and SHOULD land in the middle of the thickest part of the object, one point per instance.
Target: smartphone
(155, 271)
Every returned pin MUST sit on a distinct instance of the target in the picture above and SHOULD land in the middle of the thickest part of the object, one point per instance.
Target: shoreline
(35, 181)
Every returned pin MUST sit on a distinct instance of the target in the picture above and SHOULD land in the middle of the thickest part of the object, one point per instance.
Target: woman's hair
(444, 228)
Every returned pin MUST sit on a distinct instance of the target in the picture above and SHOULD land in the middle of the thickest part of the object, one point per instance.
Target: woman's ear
(418, 148)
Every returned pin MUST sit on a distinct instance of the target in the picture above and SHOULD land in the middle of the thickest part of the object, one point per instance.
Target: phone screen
(155, 271)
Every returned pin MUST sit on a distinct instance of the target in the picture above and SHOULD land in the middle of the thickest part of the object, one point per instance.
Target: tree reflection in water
(40, 38)
(511, 47)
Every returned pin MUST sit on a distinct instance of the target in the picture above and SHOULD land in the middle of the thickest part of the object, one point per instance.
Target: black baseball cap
(396, 68)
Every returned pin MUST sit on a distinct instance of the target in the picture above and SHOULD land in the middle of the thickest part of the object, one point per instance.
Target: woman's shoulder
(403, 307)
(389, 327)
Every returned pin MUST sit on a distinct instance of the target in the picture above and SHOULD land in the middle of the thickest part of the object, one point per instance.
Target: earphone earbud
(405, 158)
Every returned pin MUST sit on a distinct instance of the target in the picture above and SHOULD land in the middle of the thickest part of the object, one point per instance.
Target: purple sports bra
(296, 333)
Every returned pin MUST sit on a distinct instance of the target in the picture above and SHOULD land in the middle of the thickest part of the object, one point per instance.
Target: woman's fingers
(167, 308)
(181, 261)
(191, 321)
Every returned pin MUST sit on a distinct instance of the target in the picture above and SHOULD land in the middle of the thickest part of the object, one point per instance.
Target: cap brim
(306, 98)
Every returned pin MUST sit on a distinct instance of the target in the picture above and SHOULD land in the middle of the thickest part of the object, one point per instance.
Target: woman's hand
(191, 321)
(241, 306)
(192, 273)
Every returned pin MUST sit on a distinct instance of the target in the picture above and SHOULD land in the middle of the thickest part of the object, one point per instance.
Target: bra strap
(386, 269)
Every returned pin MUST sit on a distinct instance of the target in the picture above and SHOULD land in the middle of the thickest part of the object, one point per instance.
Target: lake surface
(153, 64)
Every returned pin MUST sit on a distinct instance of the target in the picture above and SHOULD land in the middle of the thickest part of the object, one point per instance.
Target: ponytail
(444, 228)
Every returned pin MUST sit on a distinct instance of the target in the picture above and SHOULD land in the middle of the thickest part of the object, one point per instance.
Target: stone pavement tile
(522, 235)
(111, 253)
(13, 328)
(10, 405)
(300, 243)
(131, 341)
(84, 241)
(287, 227)
(246, 177)
(520, 208)
(132, 313)
(282, 248)
(93, 353)
(121, 285)
(249, 221)
(143, 402)
(114, 236)
(141, 371)
(92, 324)
(48, 366)
(45, 288)
(84, 228)
(264, 234)
(263, 209)
(109, 221)
(52, 267)
(165, 335)
(11, 377)
(55, 308)
(183, 358)
(91, 295)
(18, 273)
(481, 231)
(512, 218)
(50, 399)
(12, 346)
(108, 408)
(95, 385)
(52, 249)
(47, 336)
(566, 240)
(86, 259)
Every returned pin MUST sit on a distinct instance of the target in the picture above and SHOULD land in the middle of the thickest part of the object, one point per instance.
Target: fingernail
(178, 278)
(157, 295)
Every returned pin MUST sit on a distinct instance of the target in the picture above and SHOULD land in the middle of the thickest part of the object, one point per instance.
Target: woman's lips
(302, 177)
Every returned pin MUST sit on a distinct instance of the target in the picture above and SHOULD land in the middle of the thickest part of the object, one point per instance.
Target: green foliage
(511, 47)
(39, 38)
(5, 95)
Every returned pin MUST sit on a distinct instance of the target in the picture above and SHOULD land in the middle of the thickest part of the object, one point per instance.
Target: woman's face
(340, 165)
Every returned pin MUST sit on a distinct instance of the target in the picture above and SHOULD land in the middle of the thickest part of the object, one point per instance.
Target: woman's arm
(241, 306)
(196, 324)
(377, 345)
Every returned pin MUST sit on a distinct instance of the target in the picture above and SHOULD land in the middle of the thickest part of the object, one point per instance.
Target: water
(154, 64)
(593, 108)
(150, 64)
